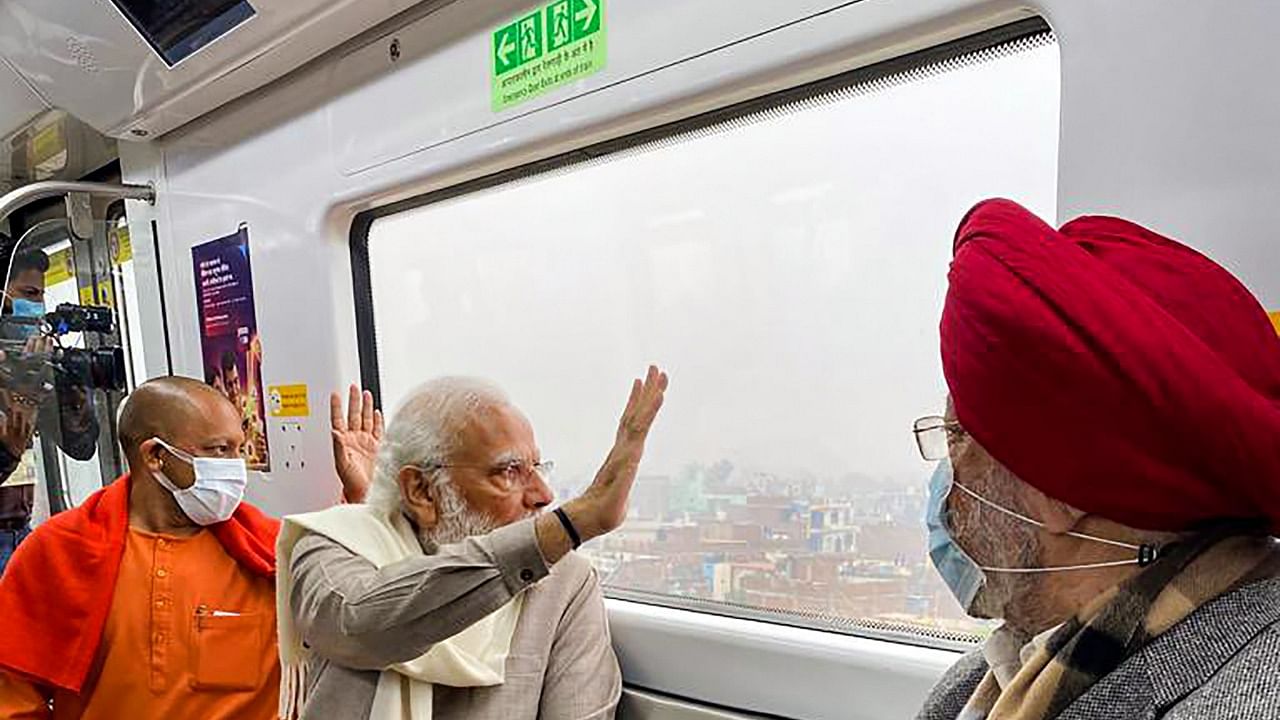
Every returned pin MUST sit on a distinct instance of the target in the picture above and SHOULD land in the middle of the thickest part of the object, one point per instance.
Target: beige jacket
(357, 619)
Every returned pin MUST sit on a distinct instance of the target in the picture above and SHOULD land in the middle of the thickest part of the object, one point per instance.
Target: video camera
(79, 318)
(33, 375)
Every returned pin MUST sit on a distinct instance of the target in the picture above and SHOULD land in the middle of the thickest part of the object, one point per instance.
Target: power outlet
(291, 455)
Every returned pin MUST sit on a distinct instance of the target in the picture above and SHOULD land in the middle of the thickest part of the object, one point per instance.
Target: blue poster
(229, 342)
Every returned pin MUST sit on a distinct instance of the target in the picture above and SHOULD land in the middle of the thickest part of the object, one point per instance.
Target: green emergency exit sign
(551, 46)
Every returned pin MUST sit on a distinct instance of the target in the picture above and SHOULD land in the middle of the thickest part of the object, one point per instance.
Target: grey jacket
(357, 619)
(1221, 663)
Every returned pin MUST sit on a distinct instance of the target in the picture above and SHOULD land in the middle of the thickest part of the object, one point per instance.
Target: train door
(69, 348)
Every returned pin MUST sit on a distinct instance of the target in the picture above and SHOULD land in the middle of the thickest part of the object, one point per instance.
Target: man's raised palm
(357, 435)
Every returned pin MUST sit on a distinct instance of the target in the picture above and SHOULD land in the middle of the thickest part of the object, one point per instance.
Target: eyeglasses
(508, 476)
(935, 435)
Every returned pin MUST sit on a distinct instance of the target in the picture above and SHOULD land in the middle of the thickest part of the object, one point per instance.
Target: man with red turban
(1109, 476)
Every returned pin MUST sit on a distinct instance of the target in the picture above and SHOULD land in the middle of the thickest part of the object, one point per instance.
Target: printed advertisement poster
(229, 342)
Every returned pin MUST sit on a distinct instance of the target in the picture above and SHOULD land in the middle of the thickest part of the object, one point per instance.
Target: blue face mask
(963, 576)
(25, 308)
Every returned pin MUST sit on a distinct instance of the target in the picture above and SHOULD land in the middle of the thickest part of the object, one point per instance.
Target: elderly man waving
(449, 594)
(1110, 476)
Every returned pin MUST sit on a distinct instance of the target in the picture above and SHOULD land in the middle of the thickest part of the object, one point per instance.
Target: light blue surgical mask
(965, 577)
(25, 308)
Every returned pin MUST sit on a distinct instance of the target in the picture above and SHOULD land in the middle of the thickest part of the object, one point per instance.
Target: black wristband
(574, 537)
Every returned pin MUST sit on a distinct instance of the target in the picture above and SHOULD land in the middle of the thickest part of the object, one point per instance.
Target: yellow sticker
(288, 401)
(1275, 320)
(122, 251)
(47, 143)
(104, 298)
(61, 268)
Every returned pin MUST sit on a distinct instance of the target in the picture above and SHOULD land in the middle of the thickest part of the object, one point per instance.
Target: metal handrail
(15, 199)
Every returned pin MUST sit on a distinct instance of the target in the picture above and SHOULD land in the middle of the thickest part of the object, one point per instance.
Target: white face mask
(217, 491)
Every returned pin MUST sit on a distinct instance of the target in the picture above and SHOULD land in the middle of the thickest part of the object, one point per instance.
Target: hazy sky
(789, 275)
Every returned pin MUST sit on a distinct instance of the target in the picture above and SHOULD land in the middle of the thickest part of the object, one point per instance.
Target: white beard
(457, 522)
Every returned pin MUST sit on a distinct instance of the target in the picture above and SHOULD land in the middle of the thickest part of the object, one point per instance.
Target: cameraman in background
(60, 406)
(23, 298)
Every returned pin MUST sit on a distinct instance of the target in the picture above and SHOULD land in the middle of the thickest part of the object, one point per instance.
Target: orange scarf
(56, 591)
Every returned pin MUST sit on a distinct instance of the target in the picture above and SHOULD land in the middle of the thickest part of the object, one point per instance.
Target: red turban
(1114, 369)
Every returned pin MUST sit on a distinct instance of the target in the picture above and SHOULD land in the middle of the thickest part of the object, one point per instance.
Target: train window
(786, 261)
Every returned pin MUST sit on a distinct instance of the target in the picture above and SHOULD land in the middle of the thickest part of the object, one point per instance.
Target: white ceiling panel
(18, 104)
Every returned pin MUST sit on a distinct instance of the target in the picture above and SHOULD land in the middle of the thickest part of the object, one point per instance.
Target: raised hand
(357, 435)
(602, 507)
(606, 498)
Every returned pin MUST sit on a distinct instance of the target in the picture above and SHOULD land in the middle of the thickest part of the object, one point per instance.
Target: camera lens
(106, 368)
(99, 368)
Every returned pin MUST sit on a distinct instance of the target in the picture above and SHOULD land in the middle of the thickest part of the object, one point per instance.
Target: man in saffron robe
(155, 597)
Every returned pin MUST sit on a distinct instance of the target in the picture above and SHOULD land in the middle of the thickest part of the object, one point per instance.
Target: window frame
(939, 58)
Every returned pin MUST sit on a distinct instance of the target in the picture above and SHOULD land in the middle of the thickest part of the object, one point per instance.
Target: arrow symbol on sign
(587, 13)
(505, 48)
